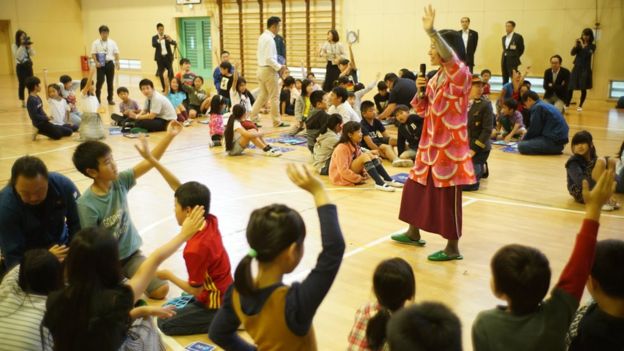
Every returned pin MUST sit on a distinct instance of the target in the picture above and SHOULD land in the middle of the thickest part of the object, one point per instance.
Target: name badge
(512, 46)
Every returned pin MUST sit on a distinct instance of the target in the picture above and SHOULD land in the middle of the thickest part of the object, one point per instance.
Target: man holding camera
(23, 53)
(163, 52)
(105, 53)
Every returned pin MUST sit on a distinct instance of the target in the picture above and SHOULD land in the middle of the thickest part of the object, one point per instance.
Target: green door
(196, 44)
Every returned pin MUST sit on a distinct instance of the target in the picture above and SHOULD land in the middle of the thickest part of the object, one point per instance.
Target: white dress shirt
(508, 39)
(267, 51)
(346, 111)
(108, 47)
(465, 38)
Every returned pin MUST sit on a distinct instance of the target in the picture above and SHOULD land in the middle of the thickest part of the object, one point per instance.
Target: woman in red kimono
(432, 195)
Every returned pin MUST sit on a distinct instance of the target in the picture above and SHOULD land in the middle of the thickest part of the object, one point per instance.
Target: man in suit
(513, 48)
(163, 53)
(556, 80)
(470, 39)
(480, 125)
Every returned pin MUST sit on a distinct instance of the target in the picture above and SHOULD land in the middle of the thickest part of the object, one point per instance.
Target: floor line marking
(40, 152)
(542, 207)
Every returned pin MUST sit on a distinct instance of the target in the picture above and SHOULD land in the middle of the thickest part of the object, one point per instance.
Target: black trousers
(507, 68)
(53, 131)
(108, 72)
(164, 63)
(152, 125)
(24, 71)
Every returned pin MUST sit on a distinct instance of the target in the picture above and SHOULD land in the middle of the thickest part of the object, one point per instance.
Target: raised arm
(173, 129)
(192, 224)
(144, 151)
(87, 87)
(352, 58)
(576, 271)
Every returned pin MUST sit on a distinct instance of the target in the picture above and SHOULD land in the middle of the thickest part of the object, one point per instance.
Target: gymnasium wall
(391, 34)
(55, 27)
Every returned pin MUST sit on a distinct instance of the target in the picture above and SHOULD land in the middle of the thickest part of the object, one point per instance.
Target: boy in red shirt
(207, 262)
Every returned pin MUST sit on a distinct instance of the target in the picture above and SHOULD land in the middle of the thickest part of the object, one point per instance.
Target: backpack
(92, 127)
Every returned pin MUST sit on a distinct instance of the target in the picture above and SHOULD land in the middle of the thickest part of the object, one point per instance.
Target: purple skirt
(435, 210)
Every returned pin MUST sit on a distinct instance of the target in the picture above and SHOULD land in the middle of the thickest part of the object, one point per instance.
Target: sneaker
(385, 187)
(187, 123)
(579, 109)
(273, 153)
(402, 163)
(394, 184)
(111, 102)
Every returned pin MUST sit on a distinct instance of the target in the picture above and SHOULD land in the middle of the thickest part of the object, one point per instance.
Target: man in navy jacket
(548, 132)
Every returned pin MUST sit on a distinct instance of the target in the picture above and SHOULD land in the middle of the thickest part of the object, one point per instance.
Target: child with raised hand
(599, 325)
(521, 277)
(207, 262)
(239, 93)
(394, 285)
(175, 94)
(105, 202)
(95, 310)
(237, 138)
(217, 106)
(197, 97)
(276, 316)
(350, 166)
(186, 76)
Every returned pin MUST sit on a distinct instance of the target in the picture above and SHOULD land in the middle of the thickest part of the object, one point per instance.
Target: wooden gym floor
(524, 201)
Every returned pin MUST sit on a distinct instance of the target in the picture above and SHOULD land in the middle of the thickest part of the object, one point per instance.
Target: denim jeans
(540, 146)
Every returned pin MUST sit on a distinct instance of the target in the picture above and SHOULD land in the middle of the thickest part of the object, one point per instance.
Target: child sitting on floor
(175, 94)
(509, 123)
(581, 167)
(128, 107)
(382, 96)
(217, 106)
(376, 138)
(197, 97)
(599, 325)
(237, 138)
(239, 93)
(350, 166)
(277, 316)
(67, 92)
(394, 285)
(59, 109)
(302, 108)
(207, 262)
(521, 277)
(38, 117)
(287, 108)
(409, 132)
(486, 75)
(326, 142)
(186, 76)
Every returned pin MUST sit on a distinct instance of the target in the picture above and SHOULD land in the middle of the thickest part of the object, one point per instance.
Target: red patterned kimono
(432, 195)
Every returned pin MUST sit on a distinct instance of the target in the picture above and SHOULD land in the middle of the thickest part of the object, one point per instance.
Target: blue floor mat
(288, 139)
(401, 177)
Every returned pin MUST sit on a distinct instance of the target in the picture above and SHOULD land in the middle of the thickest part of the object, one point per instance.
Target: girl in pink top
(217, 105)
(432, 195)
(350, 166)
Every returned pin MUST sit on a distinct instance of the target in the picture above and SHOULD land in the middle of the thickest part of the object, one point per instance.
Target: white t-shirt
(58, 110)
(20, 315)
(89, 104)
(236, 135)
(161, 106)
(238, 98)
(108, 47)
(346, 111)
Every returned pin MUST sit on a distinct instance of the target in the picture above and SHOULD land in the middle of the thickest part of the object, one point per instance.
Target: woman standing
(23, 53)
(433, 193)
(581, 77)
(334, 52)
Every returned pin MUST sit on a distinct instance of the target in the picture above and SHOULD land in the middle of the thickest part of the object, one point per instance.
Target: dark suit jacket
(513, 55)
(473, 39)
(157, 51)
(559, 87)
(480, 125)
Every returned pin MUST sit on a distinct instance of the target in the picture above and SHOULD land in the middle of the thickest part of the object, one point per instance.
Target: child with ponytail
(350, 166)
(277, 316)
(394, 285)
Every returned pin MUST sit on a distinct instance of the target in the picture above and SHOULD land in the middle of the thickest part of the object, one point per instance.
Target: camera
(27, 41)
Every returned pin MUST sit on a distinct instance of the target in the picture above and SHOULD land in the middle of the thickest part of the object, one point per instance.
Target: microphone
(423, 72)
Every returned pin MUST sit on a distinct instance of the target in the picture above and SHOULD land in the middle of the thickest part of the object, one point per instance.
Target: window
(616, 89)
(129, 64)
(496, 84)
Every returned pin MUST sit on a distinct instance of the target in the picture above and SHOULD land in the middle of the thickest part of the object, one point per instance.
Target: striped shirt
(20, 315)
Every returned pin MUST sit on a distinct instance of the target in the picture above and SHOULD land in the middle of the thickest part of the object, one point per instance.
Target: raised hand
(143, 148)
(428, 18)
(60, 251)
(194, 222)
(174, 128)
(602, 192)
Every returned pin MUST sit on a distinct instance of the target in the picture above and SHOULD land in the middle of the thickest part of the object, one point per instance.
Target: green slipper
(442, 256)
(404, 239)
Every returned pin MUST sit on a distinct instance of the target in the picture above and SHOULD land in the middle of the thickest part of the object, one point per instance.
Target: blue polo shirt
(24, 227)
